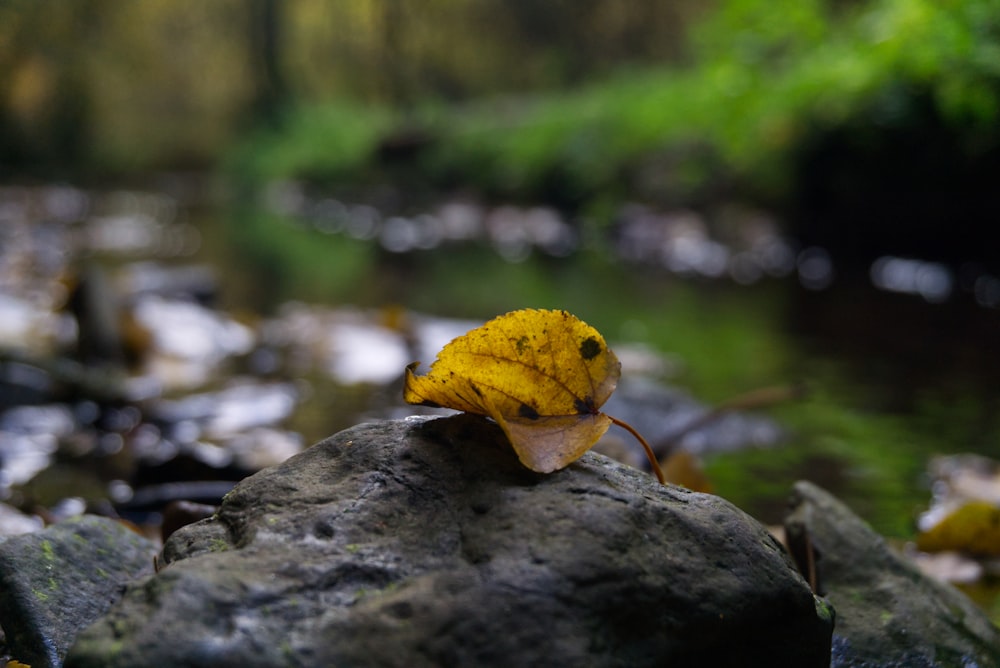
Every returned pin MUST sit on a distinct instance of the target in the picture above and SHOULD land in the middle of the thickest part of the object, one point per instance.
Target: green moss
(48, 554)
(824, 610)
(218, 545)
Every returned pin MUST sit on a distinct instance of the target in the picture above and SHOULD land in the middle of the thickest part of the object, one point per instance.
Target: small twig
(649, 451)
(764, 396)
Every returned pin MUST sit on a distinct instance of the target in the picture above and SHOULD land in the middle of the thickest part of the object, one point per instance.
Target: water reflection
(185, 342)
(736, 243)
(93, 345)
(815, 268)
(987, 291)
(30, 436)
(175, 397)
(130, 360)
(513, 232)
(354, 346)
(930, 280)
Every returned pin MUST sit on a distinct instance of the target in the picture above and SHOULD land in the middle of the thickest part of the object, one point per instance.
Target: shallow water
(253, 331)
(893, 375)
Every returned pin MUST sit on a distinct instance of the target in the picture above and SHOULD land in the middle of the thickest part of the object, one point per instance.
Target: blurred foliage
(764, 78)
(172, 83)
(125, 85)
(401, 53)
(336, 141)
(667, 100)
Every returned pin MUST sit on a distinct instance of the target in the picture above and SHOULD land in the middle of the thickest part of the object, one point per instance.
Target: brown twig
(764, 396)
(649, 451)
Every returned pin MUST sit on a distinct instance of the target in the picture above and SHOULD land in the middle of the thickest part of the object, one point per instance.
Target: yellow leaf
(973, 527)
(682, 468)
(541, 375)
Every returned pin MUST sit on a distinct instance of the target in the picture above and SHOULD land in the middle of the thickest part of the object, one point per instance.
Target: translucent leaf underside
(542, 375)
(551, 443)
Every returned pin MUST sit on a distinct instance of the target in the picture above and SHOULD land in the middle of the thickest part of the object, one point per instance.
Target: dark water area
(903, 347)
(249, 331)
(919, 187)
(897, 357)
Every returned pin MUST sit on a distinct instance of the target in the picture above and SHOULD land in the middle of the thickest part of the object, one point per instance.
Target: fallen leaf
(683, 468)
(973, 527)
(541, 375)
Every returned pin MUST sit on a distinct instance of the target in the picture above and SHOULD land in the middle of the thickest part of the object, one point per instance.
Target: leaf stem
(649, 451)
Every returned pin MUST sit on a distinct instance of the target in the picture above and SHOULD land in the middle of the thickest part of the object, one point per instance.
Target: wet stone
(888, 613)
(426, 543)
(56, 581)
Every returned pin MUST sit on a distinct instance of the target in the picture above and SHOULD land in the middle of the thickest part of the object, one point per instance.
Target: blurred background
(225, 228)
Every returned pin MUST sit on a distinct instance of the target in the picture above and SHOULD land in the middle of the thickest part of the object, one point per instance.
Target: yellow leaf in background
(541, 375)
(973, 527)
(683, 468)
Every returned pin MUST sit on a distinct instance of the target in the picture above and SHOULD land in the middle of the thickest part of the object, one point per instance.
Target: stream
(157, 345)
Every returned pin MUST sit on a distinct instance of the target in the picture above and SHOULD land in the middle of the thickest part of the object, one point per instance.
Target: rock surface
(425, 543)
(59, 580)
(888, 613)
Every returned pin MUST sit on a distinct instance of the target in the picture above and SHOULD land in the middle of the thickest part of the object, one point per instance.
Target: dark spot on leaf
(521, 344)
(590, 348)
(527, 411)
(585, 406)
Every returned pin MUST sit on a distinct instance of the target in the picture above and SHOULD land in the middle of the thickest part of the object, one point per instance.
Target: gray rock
(59, 580)
(660, 413)
(888, 613)
(425, 543)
